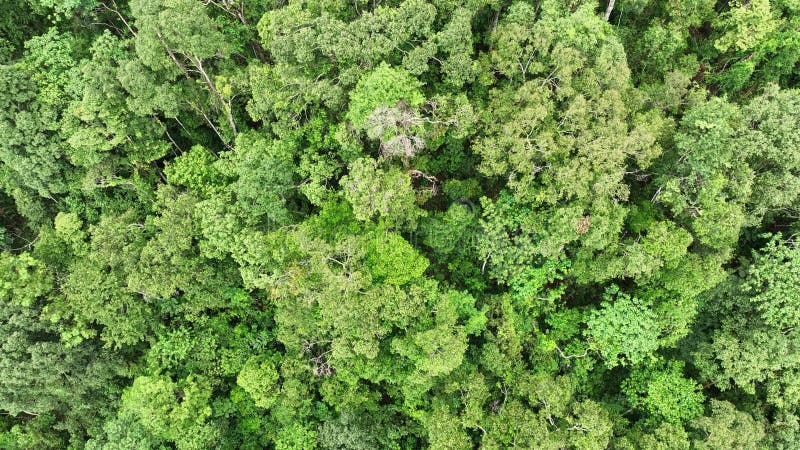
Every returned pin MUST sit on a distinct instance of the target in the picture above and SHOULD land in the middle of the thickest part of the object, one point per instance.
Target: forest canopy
(400, 224)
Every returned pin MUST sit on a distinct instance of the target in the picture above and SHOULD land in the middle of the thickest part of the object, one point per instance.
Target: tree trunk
(609, 8)
(226, 106)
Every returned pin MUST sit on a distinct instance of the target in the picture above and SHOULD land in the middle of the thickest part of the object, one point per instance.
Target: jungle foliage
(399, 224)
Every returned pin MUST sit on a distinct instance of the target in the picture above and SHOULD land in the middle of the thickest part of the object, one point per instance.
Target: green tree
(727, 428)
(624, 330)
(749, 315)
(385, 194)
(664, 392)
(170, 411)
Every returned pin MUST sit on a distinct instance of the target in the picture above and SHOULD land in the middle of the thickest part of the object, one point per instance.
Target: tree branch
(609, 8)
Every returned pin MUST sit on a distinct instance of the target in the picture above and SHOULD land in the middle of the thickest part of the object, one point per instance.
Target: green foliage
(41, 377)
(195, 171)
(383, 87)
(728, 428)
(392, 260)
(265, 177)
(33, 102)
(258, 378)
(753, 311)
(172, 412)
(385, 194)
(624, 330)
(664, 393)
(392, 225)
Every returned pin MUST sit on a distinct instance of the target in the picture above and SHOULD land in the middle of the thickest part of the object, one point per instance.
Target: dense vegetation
(399, 224)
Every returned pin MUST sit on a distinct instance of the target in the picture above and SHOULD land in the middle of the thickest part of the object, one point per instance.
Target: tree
(384, 87)
(259, 378)
(95, 295)
(624, 330)
(170, 411)
(754, 309)
(179, 38)
(563, 139)
(385, 194)
(41, 376)
(727, 428)
(31, 149)
(664, 392)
